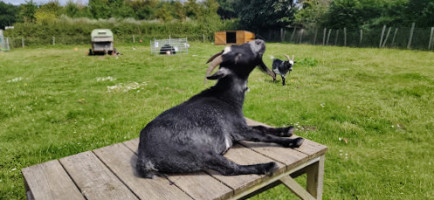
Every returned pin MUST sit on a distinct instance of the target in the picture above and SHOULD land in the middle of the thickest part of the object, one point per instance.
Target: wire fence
(385, 37)
(21, 41)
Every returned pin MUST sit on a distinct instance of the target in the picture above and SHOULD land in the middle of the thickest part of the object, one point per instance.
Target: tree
(313, 13)
(144, 9)
(163, 13)
(263, 14)
(179, 10)
(421, 12)
(226, 9)
(8, 14)
(99, 9)
(27, 11)
(48, 12)
(192, 9)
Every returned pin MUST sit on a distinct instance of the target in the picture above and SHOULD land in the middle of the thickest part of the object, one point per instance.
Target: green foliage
(259, 14)
(27, 11)
(163, 13)
(77, 31)
(227, 9)
(313, 13)
(48, 12)
(53, 105)
(421, 12)
(8, 14)
(192, 9)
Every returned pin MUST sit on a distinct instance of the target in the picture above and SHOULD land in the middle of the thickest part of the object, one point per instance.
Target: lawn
(373, 108)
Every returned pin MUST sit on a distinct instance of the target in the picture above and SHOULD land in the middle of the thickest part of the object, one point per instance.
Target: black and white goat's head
(238, 61)
(289, 63)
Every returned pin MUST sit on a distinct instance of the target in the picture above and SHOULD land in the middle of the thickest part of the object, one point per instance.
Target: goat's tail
(145, 168)
(271, 57)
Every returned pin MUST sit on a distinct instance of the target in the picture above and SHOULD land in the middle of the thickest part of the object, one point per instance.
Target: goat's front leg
(283, 80)
(255, 135)
(282, 132)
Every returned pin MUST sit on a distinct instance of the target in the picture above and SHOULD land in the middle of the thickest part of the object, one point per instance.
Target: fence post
(394, 36)
(22, 41)
(54, 40)
(293, 33)
(411, 35)
(387, 36)
(316, 33)
(328, 36)
(324, 36)
(430, 38)
(8, 48)
(203, 37)
(336, 38)
(134, 39)
(361, 37)
(345, 36)
(301, 36)
(382, 35)
(281, 34)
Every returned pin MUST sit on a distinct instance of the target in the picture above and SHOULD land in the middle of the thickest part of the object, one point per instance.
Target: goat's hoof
(287, 132)
(268, 168)
(298, 142)
(295, 143)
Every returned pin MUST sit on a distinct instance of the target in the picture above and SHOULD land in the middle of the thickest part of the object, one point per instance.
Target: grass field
(373, 108)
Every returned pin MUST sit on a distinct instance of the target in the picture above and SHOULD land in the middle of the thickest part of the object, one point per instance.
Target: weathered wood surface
(50, 181)
(109, 173)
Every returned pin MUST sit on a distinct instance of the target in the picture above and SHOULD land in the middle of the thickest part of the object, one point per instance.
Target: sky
(39, 2)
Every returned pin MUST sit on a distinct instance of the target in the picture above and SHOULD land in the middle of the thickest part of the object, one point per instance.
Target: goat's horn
(292, 57)
(214, 56)
(214, 63)
(287, 57)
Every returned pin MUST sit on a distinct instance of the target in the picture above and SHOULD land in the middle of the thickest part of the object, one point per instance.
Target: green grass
(378, 100)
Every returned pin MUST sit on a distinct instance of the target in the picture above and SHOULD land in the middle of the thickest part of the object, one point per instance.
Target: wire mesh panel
(169, 46)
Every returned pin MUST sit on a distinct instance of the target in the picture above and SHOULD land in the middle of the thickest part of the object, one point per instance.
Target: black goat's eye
(258, 42)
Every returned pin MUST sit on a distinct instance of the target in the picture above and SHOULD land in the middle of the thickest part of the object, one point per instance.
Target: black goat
(283, 67)
(167, 49)
(194, 135)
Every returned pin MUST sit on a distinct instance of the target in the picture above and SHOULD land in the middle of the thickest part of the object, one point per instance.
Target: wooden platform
(109, 173)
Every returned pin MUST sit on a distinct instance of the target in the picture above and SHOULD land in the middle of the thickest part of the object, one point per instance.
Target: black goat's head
(238, 60)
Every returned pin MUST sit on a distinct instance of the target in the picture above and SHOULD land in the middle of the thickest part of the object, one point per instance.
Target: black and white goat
(194, 135)
(282, 68)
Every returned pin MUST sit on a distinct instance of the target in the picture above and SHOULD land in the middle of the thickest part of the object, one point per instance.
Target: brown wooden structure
(233, 37)
(109, 173)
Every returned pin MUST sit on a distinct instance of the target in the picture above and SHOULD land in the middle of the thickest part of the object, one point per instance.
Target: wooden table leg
(315, 177)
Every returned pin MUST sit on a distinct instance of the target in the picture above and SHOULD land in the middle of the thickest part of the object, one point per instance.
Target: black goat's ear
(218, 75)
(237, 57)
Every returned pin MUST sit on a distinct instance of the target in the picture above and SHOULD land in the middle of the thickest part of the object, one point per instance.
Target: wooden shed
(233, 37)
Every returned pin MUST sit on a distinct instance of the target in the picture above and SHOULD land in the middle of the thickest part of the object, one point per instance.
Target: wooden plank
(94, 179)
(296, 188)
(201, 186)
(197, 185)
(245, 156)
(122, 162)
(50, 181)
(132, 144)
